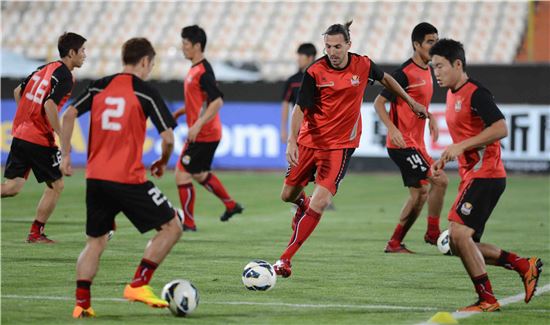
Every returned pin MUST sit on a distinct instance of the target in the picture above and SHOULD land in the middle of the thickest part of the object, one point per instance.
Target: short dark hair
(135, 49)
(420, 31)
(194, 34)
(307, 49)
(451, 50)
(340, 29)
(69, 41)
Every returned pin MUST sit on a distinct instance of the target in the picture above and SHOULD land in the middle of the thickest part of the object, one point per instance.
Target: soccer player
(306, 54)
(327, 117)
(39, 99)
(476, 126)
(115, 176)
(203, 101)
(405, 140)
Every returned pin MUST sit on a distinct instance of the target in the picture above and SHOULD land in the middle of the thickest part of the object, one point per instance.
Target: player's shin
(303, 230)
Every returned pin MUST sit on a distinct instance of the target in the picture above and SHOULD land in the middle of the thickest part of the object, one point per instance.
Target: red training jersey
(51, 81)
(120, 105)
(331, 100)
(470, 109)
(200, 89)
(418, 83)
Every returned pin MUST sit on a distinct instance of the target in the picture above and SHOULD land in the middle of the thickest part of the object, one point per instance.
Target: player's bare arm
(179, 113)
(393, 132)
(17, 94)
(284, 121)
(159, 165)
(51, 112)
(67, 128)
(211, 111)
(292, 146)
(494, 132)
(434, 128)
(391, 84)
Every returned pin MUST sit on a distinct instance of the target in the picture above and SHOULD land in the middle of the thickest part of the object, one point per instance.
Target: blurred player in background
(203, 101)
(115, 176)
(405, 140)
(39, 99)
(306, 54)
(325, 130)
(476, 126)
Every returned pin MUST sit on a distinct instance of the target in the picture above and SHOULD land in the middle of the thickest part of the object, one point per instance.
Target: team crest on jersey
(458, 105)
(186, 160)
(466, 208)
(355, 80)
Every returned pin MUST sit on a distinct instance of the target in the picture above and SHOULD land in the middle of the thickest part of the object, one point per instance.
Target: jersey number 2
(108, 113)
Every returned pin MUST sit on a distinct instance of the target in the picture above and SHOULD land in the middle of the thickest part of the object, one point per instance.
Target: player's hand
(419, 109)
(396, 137)
(65, 167)
(437, 168)
(434, 129)
(284, 136)
(193, 132)
(451, 152)
(292, 153)
(157, 168)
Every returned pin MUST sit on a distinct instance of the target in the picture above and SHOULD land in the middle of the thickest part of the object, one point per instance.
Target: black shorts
(24, 156)
(413, 165)
(197, 157)
(475, 202)
(143, 204)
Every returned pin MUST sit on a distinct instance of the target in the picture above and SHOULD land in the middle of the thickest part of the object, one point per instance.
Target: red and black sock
(484, 289)
(144, 273)
(37, 228)
(303, 230)
(83, 295)
(511, 261)
(187, 199)
(433, 226)
(215, 186)
(302, 200)
(398, 235)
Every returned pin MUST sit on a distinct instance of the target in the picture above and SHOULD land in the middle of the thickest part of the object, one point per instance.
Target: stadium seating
(263, 33)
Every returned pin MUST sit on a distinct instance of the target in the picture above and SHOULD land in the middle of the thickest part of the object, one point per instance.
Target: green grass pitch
(340, 276)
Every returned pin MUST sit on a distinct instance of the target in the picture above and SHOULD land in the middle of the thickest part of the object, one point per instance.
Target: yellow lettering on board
(6, 136)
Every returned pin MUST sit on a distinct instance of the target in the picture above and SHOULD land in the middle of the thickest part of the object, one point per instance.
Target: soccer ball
(259, 275)
(443, 243)
(182, 296)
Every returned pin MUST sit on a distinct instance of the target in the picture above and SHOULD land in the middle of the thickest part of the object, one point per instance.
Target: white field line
(271, 304)
(503, 302)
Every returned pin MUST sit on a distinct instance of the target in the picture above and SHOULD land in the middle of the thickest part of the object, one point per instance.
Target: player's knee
(200, 177)
(441, 181)
(9, 191)
(173, 227)
(11, 188)
(320, 203)
(458, 234)
(183, 177)
(57, 186)
(285, 196)
(420, 195)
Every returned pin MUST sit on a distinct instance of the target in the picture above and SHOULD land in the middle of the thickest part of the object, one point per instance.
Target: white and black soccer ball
(182, 296)
(259, 275)
(443, 243)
